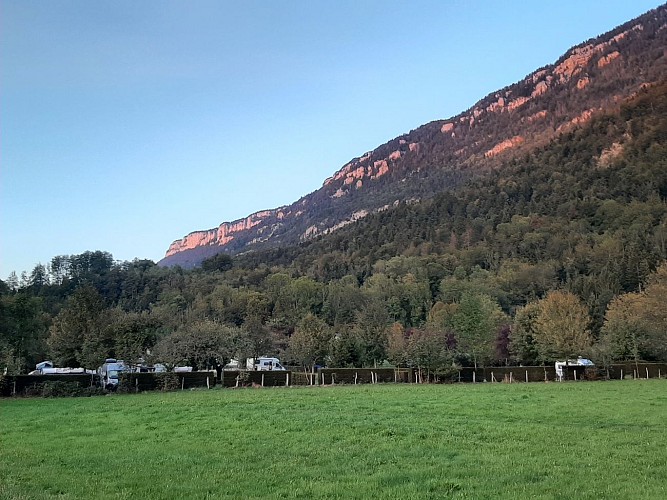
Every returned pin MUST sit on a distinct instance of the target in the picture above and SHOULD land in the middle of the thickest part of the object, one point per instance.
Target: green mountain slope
(591, 78)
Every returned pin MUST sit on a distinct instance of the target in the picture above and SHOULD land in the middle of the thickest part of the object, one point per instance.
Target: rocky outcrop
(223, 234)
(503, 146)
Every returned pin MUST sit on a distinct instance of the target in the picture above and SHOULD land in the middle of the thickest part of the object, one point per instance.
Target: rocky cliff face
(594, 76)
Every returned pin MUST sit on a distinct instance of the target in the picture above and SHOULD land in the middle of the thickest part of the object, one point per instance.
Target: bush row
(86, 385)
(167, 381)
(49, 385)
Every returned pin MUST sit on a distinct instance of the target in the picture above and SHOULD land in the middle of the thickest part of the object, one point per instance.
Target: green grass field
(569, 440)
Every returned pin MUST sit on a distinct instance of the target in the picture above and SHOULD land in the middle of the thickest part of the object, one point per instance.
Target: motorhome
(256, 364)
(561, 365)
(110, 372)
(264, 364)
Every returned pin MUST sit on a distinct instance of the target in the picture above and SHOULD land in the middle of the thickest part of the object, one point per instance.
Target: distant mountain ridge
(592, 77)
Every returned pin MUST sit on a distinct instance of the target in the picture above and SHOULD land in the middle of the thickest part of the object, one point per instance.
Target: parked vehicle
(560, 365)
(110, 372)
(256, 364)
(48, 368)
(264, 364)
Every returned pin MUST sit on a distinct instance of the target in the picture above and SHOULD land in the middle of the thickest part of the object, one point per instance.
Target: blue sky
(125, 125)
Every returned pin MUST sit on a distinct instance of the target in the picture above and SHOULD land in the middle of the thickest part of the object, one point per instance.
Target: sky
(126, 125)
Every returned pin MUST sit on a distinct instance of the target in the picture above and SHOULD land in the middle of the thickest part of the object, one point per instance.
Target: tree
(59, 268)
(427, 349)
(343, 300)
(561, 327)
(345, 349)
(475, 324)
(371, 332)
(221, 262)
(397, 345)
(13, 281)
(259, 337)
(522, 340)
(38, 278)
(625, 332)
(309, 344)
(134, 334)
(23, 329)
(77, 329)
(202, 344)
(635, 325)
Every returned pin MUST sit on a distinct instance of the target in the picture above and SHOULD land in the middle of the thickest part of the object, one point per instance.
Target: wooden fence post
(510, 377)
(182, 383)
(621, 373)
(647, 373)
(526, 376)
(286, 379)
(262, 379)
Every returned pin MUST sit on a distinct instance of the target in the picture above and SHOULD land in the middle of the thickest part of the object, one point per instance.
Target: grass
(569, 440)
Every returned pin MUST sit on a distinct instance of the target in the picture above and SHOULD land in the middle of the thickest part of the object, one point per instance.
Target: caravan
(48, 368)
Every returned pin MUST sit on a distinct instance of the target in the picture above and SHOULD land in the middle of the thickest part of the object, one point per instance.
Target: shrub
(243, 378)
(60, 388)
(5, 386)
(167, 381)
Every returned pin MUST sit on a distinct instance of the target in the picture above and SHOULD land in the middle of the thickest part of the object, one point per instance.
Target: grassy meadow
(567, 440)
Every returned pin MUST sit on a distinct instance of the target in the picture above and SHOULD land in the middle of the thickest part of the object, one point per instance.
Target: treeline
(553, 255)
(420, 312)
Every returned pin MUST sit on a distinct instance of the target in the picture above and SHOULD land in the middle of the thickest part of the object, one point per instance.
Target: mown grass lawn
(568, 440)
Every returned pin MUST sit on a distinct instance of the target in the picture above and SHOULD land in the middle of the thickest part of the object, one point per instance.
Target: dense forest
(555, 254)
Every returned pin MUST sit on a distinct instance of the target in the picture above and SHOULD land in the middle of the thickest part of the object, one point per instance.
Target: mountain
(590, 79)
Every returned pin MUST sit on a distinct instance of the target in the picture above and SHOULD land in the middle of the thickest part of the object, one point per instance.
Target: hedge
(364, 375)
(245, 378)
(83, 384)
(61, 384)
(166, 381)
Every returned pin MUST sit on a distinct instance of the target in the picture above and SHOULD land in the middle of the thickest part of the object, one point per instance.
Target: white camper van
(264, 364)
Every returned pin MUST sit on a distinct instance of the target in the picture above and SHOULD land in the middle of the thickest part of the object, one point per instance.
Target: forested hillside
(591, 79)
(557, 252)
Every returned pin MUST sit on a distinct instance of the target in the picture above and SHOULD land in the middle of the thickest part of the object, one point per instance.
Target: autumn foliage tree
(561, 327)
(635, 326)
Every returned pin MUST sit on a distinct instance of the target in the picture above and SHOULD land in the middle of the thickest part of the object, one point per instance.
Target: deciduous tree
(561, 327)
